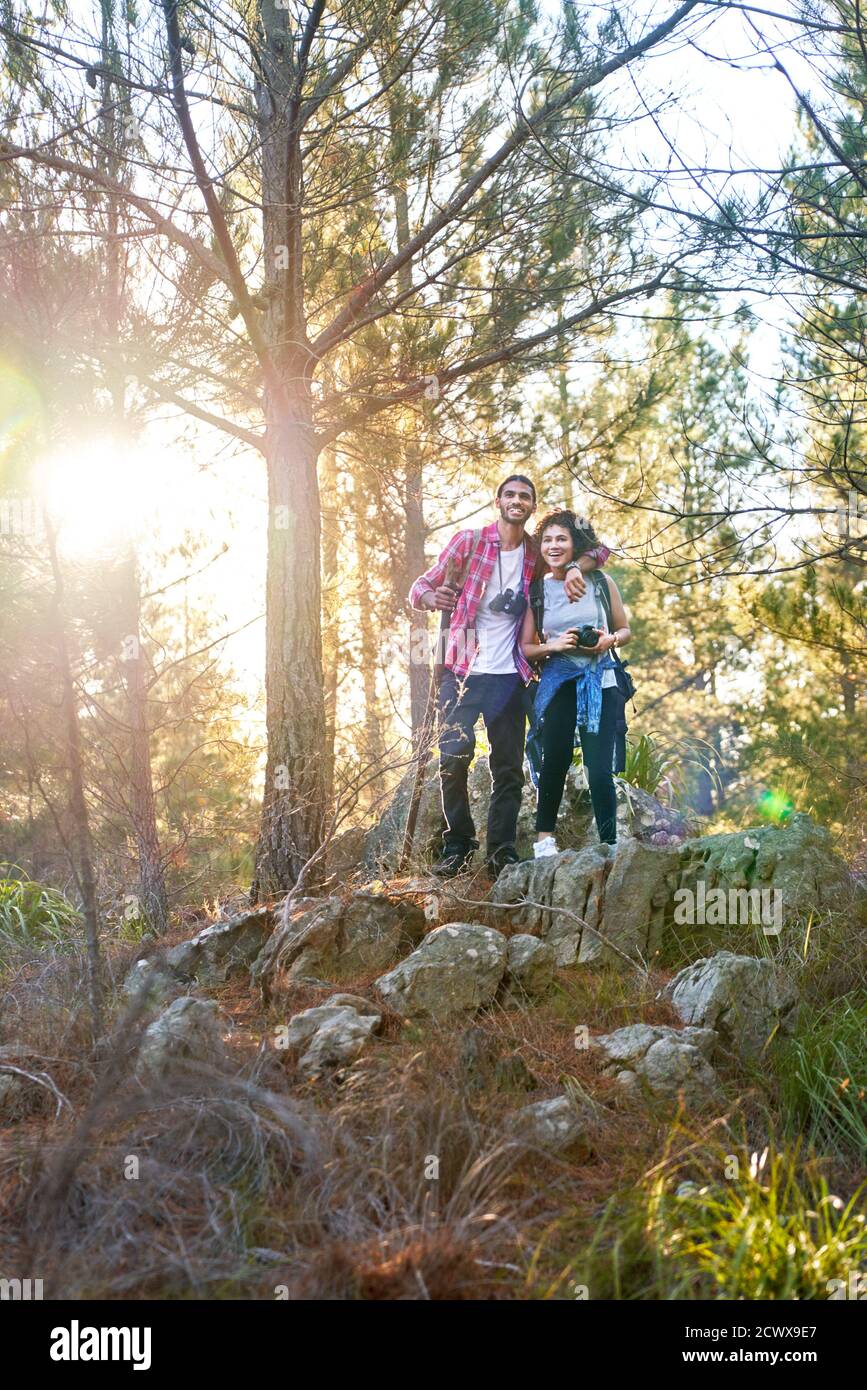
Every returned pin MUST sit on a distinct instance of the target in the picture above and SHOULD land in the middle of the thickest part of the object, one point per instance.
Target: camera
(588, 635)
(510, 602)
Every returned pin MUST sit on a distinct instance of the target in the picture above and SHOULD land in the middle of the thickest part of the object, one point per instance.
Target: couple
(517, 599)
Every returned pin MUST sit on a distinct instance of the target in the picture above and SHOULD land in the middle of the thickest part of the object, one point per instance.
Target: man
(485, 671)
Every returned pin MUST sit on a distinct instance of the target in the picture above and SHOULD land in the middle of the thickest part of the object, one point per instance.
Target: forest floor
(399, 1178)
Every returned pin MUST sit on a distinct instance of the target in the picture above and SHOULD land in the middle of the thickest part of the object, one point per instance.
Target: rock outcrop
(604, 903)
(455, 971)
(662, 1063)
(337, 937)
(594, 904)
(187, 1037)
(796, 859)
(210, 957)
(743, 998)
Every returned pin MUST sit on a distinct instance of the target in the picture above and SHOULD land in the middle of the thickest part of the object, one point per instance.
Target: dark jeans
(500, 702)
(558, 743)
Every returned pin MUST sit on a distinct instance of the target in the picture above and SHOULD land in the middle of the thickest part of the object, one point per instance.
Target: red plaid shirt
(461, 645)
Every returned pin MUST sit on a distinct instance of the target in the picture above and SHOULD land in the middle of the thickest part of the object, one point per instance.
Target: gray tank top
(560, 615)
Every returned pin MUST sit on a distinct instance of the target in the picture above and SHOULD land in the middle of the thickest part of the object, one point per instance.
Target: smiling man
(485, 672)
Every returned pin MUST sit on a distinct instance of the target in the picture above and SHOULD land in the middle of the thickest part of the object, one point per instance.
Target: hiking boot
(452, 863)
(506, 854)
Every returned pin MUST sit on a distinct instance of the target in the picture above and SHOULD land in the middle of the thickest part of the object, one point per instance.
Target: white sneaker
(545, 849)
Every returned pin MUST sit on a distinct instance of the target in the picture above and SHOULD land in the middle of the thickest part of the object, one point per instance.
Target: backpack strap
(537, 603)
(628, 684)
(601, 581)
(459, 572)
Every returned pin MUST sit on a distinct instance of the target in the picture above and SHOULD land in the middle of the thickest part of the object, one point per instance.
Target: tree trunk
(373, 752)
(152, 887)
(330, 606)
(82, 849)
(294, 804)
(293, 810)
(417, 627)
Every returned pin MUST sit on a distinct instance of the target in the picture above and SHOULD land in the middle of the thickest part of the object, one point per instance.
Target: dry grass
(395, 1180)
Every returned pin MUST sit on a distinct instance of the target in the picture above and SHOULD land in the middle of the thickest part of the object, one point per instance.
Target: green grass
(823, 1076)
(31, 913)
(773, 1231)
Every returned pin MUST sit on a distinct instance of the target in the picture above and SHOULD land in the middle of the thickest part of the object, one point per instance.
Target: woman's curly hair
(583, 536)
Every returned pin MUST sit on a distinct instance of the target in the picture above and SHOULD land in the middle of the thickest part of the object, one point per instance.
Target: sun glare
(96, 493)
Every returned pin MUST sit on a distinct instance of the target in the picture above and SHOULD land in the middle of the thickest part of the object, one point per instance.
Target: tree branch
(165, 393)
(212, 202)
(164, 225)
(516, 348)
(344, 322)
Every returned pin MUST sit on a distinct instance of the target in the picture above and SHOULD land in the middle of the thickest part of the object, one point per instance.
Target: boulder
(643, 817)
(330, 1035)
(210, 957)
(743, 998)
(189, 1035)
(573, 881)
(653, 1060)
(353, 1001)
(456, 970)
(529, 968)
(338, 937)
(632, 905)
(222, 948)
(797, 859)
(153, 979)
(556, 1125)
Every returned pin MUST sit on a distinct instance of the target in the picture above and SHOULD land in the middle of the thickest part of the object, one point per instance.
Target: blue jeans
(500, 702)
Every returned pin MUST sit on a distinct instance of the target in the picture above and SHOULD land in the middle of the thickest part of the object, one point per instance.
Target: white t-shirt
(495, 632)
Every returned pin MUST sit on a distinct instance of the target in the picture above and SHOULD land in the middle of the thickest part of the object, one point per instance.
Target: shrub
(659, 768)
(32, 913)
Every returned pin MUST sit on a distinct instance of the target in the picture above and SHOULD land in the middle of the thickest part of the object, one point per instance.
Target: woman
(578, 685)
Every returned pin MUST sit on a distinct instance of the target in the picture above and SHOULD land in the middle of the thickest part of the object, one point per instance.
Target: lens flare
(20, 408)
(775, 806)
